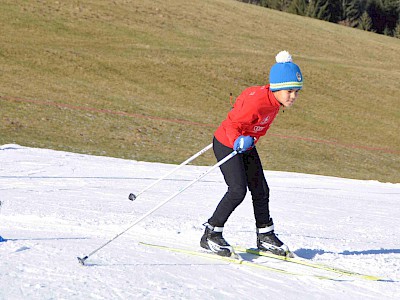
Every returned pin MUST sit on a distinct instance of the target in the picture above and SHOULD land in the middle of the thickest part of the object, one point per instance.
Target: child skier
(252, 115)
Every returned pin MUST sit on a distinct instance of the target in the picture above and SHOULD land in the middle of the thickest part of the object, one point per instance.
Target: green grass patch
(118, 78)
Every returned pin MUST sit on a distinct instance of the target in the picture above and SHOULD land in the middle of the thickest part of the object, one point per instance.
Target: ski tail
(299, 261)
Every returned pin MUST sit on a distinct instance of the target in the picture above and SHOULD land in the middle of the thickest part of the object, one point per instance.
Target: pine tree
(298, 7)
(387, 32)
(365, 22)
(396, 32)
(391, 13)
(351, 12)
(327, 10)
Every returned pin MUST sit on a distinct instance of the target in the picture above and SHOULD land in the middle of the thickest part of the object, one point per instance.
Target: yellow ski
(310, 264)
(236, 259)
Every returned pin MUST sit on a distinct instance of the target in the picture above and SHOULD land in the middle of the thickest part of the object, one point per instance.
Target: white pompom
(283, 57)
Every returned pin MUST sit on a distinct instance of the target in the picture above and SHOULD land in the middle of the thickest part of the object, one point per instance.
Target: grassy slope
(171, 60)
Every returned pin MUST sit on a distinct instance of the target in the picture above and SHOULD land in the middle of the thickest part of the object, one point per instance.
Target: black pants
(241, 171)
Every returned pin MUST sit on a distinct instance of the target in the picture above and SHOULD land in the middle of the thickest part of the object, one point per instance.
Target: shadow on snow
(311, 253)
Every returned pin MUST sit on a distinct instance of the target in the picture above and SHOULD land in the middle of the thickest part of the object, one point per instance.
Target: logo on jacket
(258, 128)
(265, 121)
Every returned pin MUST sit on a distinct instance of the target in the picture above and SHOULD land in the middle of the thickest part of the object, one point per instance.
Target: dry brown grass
(171, 60)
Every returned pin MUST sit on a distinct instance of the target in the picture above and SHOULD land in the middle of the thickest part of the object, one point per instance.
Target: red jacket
(252, 115)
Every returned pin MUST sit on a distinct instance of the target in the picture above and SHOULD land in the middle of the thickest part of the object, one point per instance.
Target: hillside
(77, 203)
(150, 81)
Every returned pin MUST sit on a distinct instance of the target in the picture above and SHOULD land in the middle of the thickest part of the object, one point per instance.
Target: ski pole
(133, 196)
(228, 157)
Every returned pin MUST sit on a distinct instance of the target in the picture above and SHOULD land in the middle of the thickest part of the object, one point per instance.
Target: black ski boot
(213, 240)
(269, 242)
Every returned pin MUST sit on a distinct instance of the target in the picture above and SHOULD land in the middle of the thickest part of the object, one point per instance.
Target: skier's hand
(243, 143)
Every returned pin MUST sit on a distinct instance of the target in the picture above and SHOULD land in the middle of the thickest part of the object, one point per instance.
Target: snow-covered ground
(58, 205)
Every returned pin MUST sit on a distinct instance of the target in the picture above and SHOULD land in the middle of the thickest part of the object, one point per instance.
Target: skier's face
(286, 97)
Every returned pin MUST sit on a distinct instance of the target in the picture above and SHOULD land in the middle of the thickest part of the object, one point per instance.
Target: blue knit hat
(285, 75)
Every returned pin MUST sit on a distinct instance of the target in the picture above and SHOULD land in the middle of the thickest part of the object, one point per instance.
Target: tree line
(380, 16)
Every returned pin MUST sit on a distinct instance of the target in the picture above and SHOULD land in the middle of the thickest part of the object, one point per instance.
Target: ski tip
(290, 254)
(82, 260)
(239, 258)
(236, 256)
